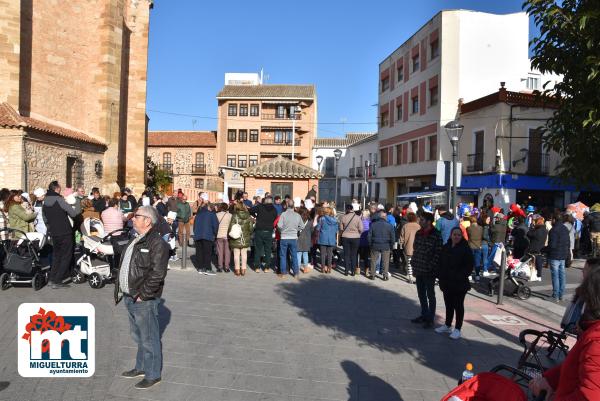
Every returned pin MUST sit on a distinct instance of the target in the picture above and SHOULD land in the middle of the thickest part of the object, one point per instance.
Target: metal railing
(199, 169)
(538, 163)
(475, 162)
(168, 167)
(272, 142)
(277, 116)
(356, 172)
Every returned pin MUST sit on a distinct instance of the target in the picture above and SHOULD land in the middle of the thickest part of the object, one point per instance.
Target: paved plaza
(322, 337)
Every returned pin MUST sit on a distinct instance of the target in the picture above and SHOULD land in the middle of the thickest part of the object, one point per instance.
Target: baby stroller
(101, 251)
(502, 383)
(22, 261)
(518, 272)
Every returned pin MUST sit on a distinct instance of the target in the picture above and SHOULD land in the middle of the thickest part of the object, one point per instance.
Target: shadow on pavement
(365, 387)
(380, 318)
(4, 385)
(164, 317)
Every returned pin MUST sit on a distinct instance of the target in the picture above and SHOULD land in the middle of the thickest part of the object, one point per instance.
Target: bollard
(184, 251)
(502, 274)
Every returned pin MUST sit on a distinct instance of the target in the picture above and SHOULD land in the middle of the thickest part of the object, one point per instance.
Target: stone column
(138, 19)
(12, 173)
(10, 39)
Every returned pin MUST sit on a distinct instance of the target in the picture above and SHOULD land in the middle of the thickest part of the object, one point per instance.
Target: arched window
(199, 159)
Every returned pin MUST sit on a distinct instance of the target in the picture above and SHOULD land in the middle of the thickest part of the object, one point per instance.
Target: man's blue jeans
(490, 258)
(485, 249)
(557, 270)
(292, 246)
(145, 331)
(480, 257)
(426, 292)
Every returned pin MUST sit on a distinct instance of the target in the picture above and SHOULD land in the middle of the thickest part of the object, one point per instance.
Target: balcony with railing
(538, 163)
(475, 162)
(359, 172)
(278, 116)
(274, 142)
(199, 169)
(168, 167)
(352, 172)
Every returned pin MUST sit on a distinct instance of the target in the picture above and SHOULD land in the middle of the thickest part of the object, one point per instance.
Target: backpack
(236, 230)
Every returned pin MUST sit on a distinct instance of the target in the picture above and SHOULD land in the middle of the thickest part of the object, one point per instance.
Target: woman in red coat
(578, 377)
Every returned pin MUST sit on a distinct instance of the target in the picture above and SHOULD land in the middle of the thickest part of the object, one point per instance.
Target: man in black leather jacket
(141, 279)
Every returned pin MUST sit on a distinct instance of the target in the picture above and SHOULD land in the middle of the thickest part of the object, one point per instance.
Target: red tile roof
(182, 138)
(515, 98)
(9, 118)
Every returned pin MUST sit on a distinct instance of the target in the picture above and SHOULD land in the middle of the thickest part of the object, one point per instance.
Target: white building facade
(359, 169)
(458, 54)
(503, 156)
(322, 150)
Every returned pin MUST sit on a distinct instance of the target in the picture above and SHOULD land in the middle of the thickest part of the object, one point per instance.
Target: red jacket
(578, 377)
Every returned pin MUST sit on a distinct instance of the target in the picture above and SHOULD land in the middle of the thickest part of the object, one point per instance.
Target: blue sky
(336, 45)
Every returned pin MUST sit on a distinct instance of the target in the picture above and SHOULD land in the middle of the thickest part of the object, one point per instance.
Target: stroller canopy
(91, 226)
(488, 386)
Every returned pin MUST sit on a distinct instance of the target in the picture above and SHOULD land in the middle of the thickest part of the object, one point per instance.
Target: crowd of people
(296, 236)
(452, 248)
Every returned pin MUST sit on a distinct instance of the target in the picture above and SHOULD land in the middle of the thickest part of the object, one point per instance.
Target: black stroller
(22, 263)
(515, 279)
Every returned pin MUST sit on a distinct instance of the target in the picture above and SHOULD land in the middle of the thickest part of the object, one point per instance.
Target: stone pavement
(322, 337)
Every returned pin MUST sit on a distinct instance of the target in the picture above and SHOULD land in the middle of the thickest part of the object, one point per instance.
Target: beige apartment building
(73, 93)
(260, 122)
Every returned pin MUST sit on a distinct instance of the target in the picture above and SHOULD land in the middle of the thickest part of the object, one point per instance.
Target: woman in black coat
(520, 238)
(456, 265)
(538, 236)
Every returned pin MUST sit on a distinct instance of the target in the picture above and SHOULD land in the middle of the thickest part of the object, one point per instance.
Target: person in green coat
(18, 217)
(184, 213)
(241, 245)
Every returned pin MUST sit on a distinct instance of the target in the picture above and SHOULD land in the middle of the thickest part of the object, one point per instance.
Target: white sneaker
(443, 329)
(471, 279)
(455, 335)
(486, 274)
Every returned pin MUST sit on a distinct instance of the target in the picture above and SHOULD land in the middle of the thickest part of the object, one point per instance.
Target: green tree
(156, 178)
(569, 44)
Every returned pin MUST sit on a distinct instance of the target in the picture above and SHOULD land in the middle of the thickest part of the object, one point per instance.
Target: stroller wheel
(95, 281)
(523, 292)
(37, 281)
(4, 281)
(78, 277)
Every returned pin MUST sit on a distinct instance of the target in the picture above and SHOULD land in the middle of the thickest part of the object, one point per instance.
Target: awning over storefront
(516, 181)
(419, 195)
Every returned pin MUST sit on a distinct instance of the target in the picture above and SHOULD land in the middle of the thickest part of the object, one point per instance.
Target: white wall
(325, 152)
(492, 48)
(356, 151)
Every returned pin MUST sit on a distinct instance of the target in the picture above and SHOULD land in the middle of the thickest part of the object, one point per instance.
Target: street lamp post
(319, 161)
(454, 131)
(337, 154)
(294, 112)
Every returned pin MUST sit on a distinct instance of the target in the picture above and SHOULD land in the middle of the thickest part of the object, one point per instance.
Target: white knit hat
(38, 192)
